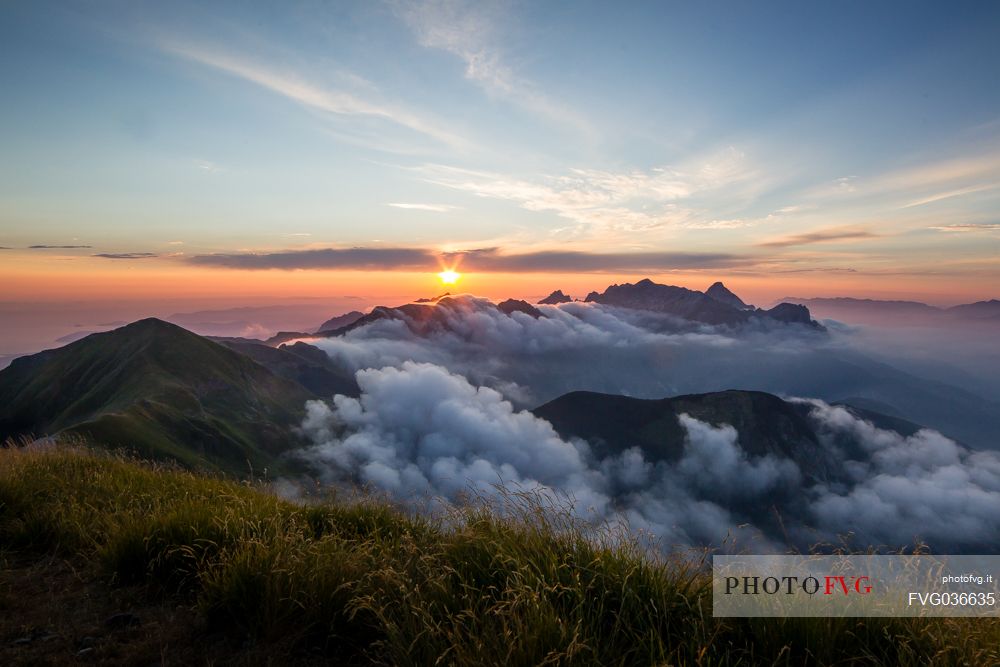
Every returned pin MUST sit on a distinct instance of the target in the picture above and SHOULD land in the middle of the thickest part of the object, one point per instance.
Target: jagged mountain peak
(720, 292)
(555, 298)
(511, 306)
(726, 308)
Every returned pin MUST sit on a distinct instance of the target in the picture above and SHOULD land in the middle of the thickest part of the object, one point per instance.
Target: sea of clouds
(581, 346)
(442, 414)
(574, 346)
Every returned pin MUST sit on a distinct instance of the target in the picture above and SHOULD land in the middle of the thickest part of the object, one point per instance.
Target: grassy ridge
(160, 390)
(363, 583)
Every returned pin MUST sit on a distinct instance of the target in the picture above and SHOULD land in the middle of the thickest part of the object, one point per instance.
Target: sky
(236, 153)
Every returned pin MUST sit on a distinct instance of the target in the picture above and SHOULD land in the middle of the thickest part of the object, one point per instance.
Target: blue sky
(786, 137)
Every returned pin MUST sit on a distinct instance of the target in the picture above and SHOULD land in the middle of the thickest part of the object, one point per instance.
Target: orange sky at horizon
(75, 278)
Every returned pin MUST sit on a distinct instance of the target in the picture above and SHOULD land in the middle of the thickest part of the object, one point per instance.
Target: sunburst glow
(449, 277)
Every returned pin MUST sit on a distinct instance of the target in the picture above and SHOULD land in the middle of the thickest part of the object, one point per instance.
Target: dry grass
(361, 582)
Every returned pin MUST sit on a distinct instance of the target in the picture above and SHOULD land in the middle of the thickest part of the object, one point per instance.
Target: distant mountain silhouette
(678, 301)
(694, 305)
(424, 317)
(980, 310)
(433, 299)
(340, 321)
(789, 312)
(517, 306)
(720, 292)
(555, 298)
(850, 309)
(159, 389)
(900, 306)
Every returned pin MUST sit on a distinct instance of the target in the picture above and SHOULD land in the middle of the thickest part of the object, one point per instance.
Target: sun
(449, 277)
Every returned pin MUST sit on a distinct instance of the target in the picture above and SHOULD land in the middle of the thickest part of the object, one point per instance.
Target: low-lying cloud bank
(899, 488)
(574, 346)
(586, 346)
(420, 431)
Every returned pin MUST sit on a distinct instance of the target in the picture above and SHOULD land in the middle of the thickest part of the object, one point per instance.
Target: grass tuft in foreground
(362, 582)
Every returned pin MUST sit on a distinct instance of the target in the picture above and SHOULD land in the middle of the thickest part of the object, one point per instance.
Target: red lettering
(831, 585)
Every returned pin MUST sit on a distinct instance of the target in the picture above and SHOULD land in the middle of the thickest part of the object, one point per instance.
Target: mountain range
(864, 311)
(719, 307)
(167, 393)
(230, 403)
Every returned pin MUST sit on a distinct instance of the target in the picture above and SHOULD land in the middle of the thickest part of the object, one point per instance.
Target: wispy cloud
(920, 184)
(952, 193)
(777, 215)
(436, 208)
(821, 236)
(479, 260)
(57, 247)
(310, 94)
(471, 31)
(210, 167)
(735, 223)
(967, 228)
(609, 201)
(980, 167)
(126, 255)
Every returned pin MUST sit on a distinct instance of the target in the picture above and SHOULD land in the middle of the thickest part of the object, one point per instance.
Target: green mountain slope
(303, 363)
(160, 390)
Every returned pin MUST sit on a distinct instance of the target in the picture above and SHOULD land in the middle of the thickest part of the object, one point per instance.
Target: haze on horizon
(189, 157)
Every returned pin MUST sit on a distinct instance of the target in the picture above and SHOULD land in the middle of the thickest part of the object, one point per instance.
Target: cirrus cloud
(967, 228)
(435, 208)
(308, 93)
